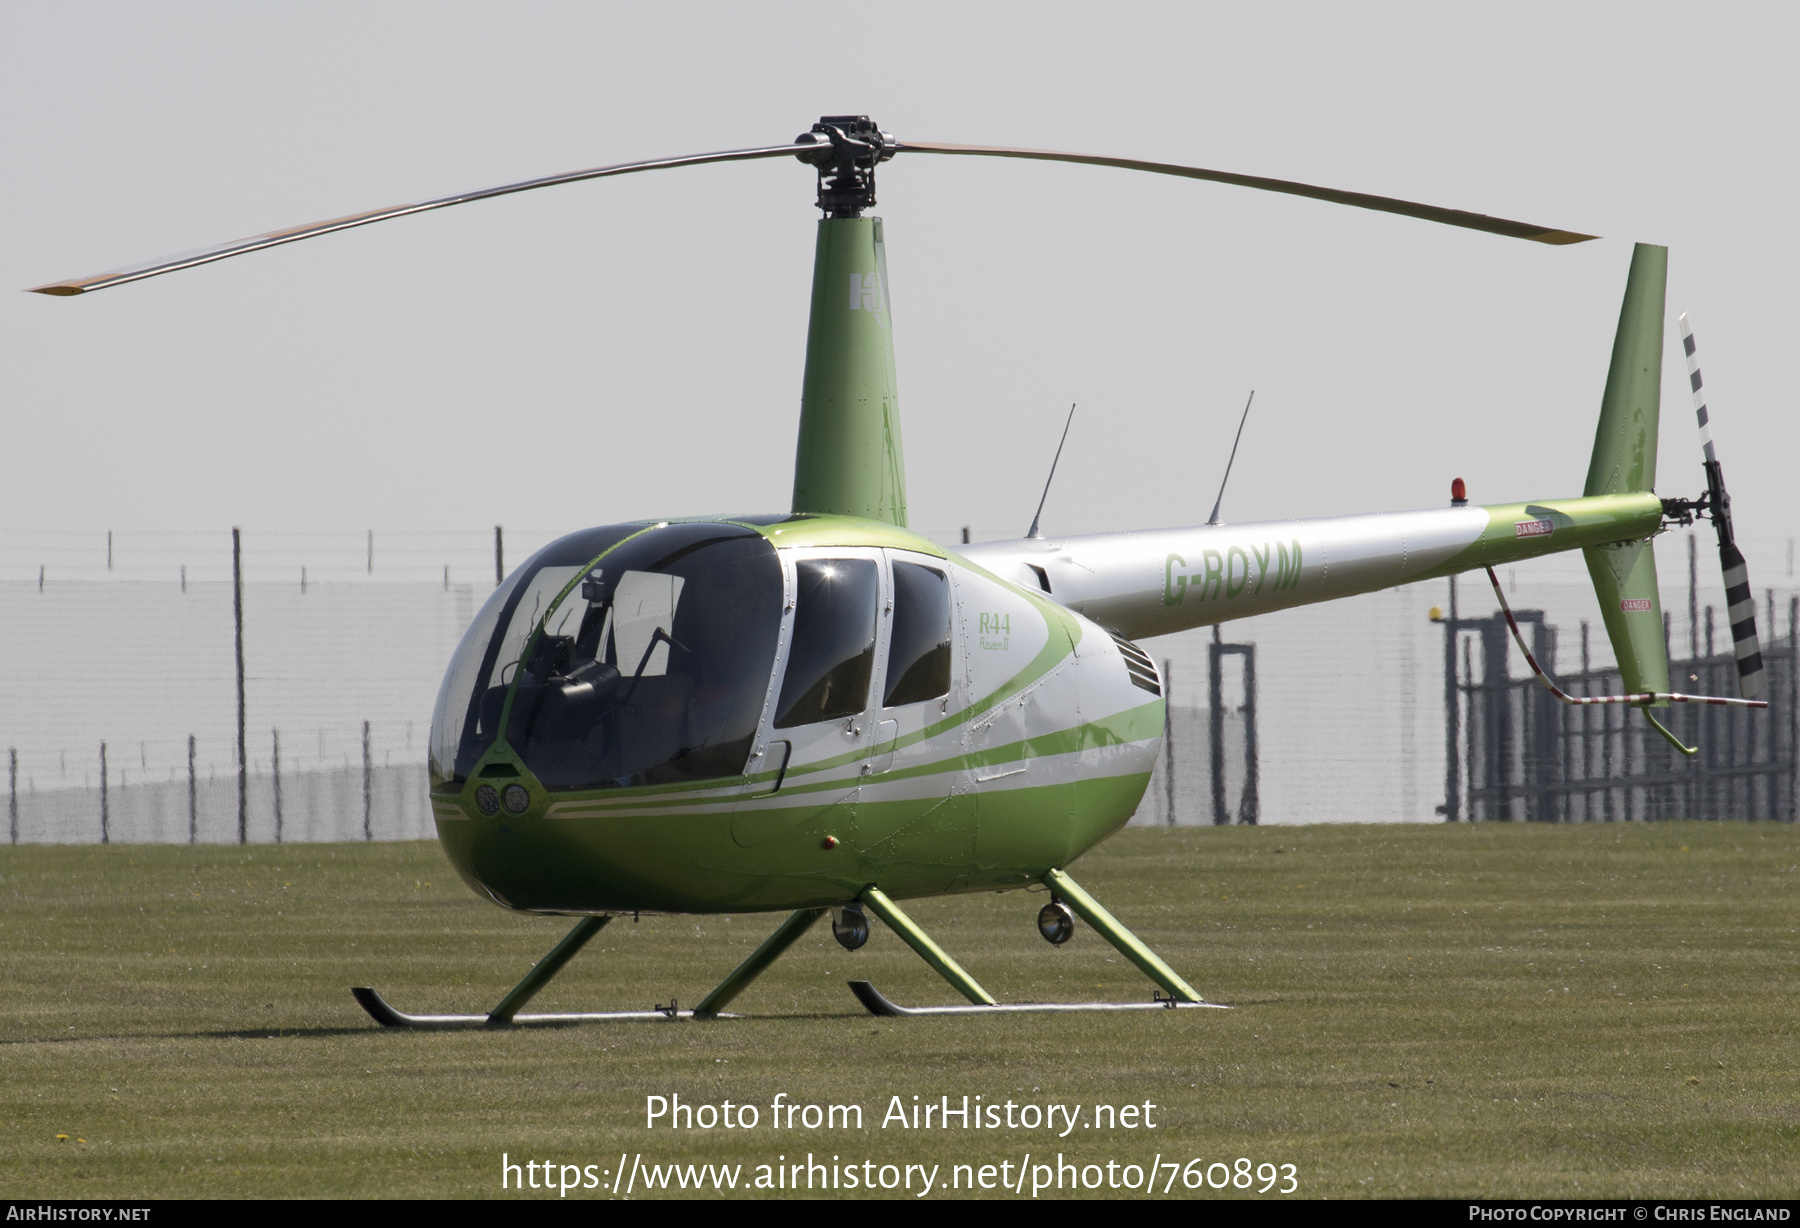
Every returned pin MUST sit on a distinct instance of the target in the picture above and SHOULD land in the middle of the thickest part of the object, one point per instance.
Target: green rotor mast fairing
(848, 461)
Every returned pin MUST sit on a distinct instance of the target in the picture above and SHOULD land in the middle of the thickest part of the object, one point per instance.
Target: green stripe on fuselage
(1132, 725)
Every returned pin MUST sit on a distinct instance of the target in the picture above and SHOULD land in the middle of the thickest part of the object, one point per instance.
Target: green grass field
(1420, 1011)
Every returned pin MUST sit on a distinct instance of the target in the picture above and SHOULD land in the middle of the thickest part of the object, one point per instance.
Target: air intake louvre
(1139, 665)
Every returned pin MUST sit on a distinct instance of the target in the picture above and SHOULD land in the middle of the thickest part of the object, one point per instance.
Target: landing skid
(1067, 893)
(877, 1004)
(384, 1014)
(505, 1014)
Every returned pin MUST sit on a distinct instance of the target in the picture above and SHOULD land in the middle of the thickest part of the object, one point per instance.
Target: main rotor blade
(1362, 200)
(274, 238)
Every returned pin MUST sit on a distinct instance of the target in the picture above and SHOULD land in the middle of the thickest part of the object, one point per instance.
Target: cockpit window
(919, 648)
(467, 716)
(643, 603)
(451, 714)
(652, 667)
(534, 602)
(833, 651)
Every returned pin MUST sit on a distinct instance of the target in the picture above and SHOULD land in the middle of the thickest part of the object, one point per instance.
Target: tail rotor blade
(1740, 603)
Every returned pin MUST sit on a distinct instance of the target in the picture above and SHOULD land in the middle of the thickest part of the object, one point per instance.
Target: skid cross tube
(921, 942)
(1089, 910)
(764, 955)
(545, 968)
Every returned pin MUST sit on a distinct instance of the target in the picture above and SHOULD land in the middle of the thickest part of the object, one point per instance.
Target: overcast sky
(633, 347)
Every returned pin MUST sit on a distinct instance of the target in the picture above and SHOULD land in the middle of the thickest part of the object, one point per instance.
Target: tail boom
(1161, 581)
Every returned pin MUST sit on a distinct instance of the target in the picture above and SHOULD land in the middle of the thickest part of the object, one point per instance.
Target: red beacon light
(1459, 494)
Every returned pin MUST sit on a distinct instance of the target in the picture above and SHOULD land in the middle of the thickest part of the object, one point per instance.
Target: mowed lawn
(1419, 1011)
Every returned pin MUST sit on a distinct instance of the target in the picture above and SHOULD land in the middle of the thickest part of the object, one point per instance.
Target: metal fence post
(1169, 741)
(1693, 599)
(368, 791)
(499, 558)
(12, 791)
(1587, 727)
(237, 608)
(105, 818)
(1772, 786)
(193, 796)
(1466, 688)
(1250, 805)
(1452, 807)
(275, 764)
(1215, 682)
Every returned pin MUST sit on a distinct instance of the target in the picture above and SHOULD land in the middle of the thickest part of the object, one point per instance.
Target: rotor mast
(848, 460)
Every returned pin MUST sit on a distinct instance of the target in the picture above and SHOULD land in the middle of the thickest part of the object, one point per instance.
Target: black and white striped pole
(1740, 604)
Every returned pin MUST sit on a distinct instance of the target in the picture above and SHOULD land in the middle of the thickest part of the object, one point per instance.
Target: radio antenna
(1214, 518)
(1033, 530)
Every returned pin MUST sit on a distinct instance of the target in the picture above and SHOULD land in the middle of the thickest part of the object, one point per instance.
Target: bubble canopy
(618, 656)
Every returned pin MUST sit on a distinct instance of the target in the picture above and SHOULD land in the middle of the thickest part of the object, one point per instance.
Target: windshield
(652, 667)
(467, 715)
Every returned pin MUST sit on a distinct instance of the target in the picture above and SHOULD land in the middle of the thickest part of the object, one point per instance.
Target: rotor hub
(845, 150)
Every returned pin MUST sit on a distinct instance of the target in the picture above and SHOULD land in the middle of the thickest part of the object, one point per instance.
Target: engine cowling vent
(1139, 665)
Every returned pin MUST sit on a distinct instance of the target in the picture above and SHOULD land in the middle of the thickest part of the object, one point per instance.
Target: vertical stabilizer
(848, 461)
(1624, 462)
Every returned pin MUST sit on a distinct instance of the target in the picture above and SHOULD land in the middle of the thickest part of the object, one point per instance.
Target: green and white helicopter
(820, 712)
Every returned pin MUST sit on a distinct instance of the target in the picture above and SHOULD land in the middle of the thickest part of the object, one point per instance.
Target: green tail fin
(1624, 462)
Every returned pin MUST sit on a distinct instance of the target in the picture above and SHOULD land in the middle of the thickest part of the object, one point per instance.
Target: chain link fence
(118, 689)
(120, 684)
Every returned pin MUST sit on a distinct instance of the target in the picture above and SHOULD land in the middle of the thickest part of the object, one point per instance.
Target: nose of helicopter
(530, 849)
(499, 836)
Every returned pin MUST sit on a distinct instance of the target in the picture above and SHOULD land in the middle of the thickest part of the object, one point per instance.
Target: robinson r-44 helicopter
(820, 712)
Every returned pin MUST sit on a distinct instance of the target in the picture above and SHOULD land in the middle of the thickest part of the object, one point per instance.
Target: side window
(833, 652)
(919, 652)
